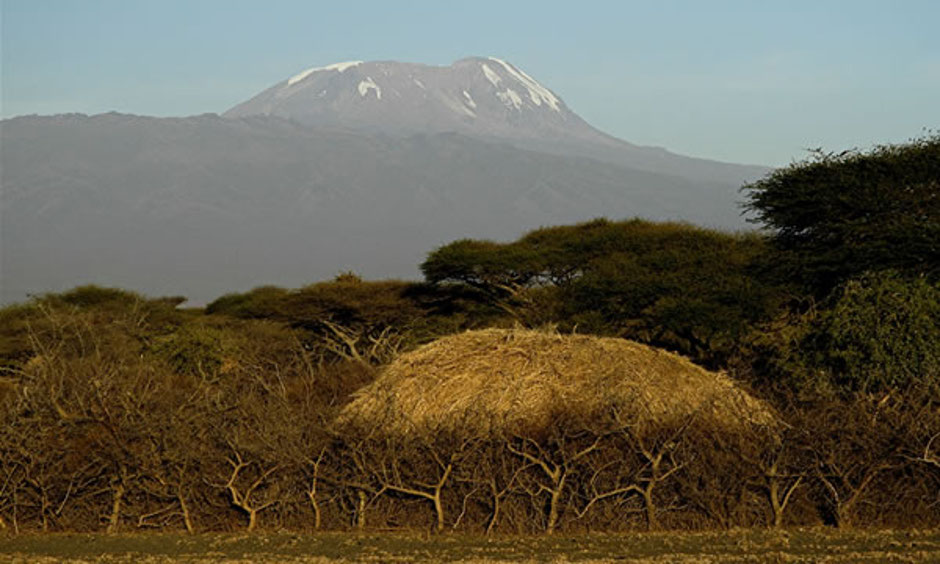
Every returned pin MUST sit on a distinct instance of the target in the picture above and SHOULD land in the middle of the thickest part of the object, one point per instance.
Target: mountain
(482, 97)
(292, 187)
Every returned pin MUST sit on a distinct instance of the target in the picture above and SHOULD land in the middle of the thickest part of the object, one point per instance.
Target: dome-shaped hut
(498, 381)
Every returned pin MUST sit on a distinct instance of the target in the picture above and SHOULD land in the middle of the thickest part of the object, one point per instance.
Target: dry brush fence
(496, 430)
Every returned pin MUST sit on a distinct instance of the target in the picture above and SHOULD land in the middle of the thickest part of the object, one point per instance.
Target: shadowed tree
(835, 216)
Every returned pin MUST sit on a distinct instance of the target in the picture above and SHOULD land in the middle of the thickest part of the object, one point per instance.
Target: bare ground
(802, 545)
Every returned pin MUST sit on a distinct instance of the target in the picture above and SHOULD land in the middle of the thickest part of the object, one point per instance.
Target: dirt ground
(810, 545)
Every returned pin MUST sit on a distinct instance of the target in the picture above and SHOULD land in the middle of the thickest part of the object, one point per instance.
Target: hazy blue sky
(737, 81)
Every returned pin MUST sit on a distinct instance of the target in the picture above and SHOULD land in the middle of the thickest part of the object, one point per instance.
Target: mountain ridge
(208, 204)
(484, 97)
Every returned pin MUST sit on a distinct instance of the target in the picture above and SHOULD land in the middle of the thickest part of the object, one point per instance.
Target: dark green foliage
(346, 301)
(836, 216)
(193, 350)
(495, 268)
(674, 285)
(859, 235)
(95, 296)
(685, 288)
(421, 311)
(875, 333)
(349, 300)
(262, 302)
(881, 332)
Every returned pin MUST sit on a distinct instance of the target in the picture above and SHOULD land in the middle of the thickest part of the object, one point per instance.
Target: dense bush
(216, 423)
(112, 417)
(875, 333)
(260, 303)
(349, 314)
(881, 332)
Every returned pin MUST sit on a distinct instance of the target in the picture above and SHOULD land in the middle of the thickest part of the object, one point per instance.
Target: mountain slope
(482, 97)
(361, 166)
(203, 205)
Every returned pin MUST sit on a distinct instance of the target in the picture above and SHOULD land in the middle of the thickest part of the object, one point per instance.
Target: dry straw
(500, 381)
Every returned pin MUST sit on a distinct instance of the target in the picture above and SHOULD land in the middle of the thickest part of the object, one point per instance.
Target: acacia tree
(835, 216)
(415, 467)
(778, 468)
(495, 476)
(632, 465)
(553, 463)
(674, 285)
(851, 444)
(858, 234)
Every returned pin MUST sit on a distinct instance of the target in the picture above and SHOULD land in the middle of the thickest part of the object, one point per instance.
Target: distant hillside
(294, 186)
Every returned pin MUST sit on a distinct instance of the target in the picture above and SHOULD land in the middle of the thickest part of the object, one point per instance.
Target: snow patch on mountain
(491, 75)
(469, 98)
(511, 98)
(537, 92)
(369, 84)
(340, 67)
(466, 110)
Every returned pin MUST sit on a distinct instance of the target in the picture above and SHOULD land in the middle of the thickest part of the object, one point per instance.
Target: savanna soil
(805, 545)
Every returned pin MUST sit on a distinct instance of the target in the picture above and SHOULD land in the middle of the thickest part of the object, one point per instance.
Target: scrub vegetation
(610, 376)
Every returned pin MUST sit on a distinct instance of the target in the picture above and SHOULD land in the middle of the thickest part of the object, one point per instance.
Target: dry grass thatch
(496, 381)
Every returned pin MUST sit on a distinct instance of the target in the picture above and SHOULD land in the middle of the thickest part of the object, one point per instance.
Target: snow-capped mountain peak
(486, 98)
(483, 96)
(339, 67)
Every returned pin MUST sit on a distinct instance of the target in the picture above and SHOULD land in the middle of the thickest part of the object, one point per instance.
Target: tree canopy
(669, 284)
(835, 216)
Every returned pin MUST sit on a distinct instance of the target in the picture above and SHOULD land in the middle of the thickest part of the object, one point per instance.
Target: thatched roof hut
(497, 381)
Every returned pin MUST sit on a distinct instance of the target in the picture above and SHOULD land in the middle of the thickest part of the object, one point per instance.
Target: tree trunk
(114, 520)
(44, 512)
(187, 518)
(492, 523)
(553, 505)
(652, 523)
(252, 519)
(439, 511)
(361, 511)
(317, 519)
(775, 503)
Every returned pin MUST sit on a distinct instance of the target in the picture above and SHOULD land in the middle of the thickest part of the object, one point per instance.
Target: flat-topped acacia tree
(673, 285)
(835, 216)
